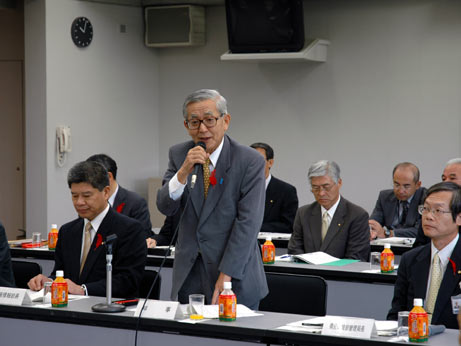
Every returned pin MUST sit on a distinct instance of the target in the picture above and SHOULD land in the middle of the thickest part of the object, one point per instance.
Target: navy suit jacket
(167, 231)
(6, 270)
(280, 208)
(348, 235)
(412, 277)
(387, 206)
(129, 203)
(129, 255)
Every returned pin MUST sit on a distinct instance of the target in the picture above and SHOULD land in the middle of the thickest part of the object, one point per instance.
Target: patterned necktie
(86, 245)
(436, 279)
(325, 224)
(206, 176)
(403, 217)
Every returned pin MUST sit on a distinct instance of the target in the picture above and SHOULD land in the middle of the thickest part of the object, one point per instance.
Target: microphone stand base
(108, 308)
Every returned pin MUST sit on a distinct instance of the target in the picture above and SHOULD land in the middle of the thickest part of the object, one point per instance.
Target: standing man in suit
(281, 198)
(332, 224)
(80, 251)
(126, 202)
(396, 211)
(222, 213)
(6, 270)
(432, 271)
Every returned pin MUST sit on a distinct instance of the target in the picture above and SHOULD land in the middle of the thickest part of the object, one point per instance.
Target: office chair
(146, 282)
(295, 294)
(24, 271)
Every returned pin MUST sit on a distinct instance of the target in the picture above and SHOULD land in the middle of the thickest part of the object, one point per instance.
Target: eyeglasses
(209, 122)
(436, 212)
(318, 188)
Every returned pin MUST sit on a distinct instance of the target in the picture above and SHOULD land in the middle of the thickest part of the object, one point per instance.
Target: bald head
(452, 171)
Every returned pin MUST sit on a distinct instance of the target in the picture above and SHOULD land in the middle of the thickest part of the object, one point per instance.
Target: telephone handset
(63, 143)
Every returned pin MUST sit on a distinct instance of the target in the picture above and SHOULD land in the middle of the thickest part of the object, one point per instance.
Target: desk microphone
(196, 166)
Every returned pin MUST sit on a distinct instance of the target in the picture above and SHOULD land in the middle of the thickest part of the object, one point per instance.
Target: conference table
(76, 325)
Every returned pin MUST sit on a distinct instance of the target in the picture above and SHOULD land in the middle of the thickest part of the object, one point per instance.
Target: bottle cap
(227, 285)
(53, 225)
(387, 246)
(60, 273)
(418, 302)
(268, 238)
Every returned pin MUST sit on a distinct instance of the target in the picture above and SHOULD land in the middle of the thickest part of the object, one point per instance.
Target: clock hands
(84, 28)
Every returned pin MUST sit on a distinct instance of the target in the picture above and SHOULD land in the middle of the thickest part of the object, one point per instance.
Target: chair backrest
(295, 294)
(24, 271)
(146, 282)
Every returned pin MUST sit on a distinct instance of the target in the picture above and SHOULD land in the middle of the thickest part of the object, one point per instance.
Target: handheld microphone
(197, 166)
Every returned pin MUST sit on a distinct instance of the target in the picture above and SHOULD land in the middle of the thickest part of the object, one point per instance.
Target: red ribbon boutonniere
(453, 266)
(213, 178)
(120, 207)
(98, 241)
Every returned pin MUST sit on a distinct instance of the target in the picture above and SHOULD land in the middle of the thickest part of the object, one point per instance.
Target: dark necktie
(206, 176)
(403, 218)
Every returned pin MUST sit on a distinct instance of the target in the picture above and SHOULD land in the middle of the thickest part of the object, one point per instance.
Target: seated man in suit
(431, 271)
(80, 251)
(396, 211)
(6, 270)
(126, 202)
(332, 224)
(281, 198)
(166, 233)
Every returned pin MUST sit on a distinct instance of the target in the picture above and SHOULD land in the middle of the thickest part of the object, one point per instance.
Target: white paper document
(273, 235)
(395, 240)
(317, 257)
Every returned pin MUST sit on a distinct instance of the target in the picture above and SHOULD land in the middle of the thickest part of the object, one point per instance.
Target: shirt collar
(98, 219)
(446, 252)
(112, 198)
(268, 180)
(214, 156)
(332, 210)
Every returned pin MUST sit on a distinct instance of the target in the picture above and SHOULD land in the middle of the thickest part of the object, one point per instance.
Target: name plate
(349, 327)
(159, 309)
(12, 296)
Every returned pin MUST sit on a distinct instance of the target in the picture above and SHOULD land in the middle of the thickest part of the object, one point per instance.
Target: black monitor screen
(265, 25)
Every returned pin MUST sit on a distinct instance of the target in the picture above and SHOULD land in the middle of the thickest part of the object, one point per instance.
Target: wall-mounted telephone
(63, 144)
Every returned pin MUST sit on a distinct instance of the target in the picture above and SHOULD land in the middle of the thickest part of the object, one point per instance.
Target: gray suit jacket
(386, 207)
(348, 235)
(224, 227)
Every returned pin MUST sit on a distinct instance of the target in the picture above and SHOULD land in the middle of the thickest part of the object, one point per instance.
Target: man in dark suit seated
(332, 224)
(281, 198)
(166, 233)
(6, 270)
(431, 271)
(396, 211)
(80, 251)
(126, 202)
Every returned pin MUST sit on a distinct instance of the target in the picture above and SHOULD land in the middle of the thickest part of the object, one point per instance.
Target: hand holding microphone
(196, 166)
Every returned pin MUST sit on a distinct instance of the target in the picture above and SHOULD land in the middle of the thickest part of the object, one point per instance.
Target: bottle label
(227, 307)
(52, 240)
(268, 254)
(418, 327)
(59, 296)
(387, 262)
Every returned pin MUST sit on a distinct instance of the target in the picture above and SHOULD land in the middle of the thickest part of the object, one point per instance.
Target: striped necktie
(325, 224)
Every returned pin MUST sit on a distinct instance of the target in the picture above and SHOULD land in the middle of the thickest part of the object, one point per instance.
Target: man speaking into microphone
(222, 213)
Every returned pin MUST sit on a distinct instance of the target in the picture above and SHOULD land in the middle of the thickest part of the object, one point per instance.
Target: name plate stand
(160, 309)
(14, 296)
(351, 327)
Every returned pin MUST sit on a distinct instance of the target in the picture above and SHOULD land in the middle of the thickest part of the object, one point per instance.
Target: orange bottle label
(268, 252)
(387, 261)
(227, 307)
(52, 240)
(59, 294)
(418, 330)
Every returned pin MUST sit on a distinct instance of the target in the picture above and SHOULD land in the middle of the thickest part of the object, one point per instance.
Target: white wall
(389, 92)
(108, 95)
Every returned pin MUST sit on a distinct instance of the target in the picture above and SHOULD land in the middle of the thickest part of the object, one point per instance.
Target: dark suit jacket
(129, 255)
(348, 235)
(387, 206)
(223, 228)
(129, 203)
(167, 231)
(412, 279)
(280, 208)
(6, 270)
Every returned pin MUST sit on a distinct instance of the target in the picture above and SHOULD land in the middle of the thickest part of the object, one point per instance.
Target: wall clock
(81, 32)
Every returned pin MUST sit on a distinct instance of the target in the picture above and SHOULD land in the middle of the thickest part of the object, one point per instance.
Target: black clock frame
(81, 32)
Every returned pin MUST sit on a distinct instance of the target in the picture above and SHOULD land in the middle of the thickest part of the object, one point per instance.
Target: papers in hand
(317, 257)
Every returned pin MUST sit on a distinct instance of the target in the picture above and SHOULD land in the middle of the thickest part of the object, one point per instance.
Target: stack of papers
(395, 241)
(279, 236)
(317, 257)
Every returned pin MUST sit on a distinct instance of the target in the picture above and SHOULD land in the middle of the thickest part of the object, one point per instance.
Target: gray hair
(324, 167)
(90, 172)
(456, 161)
(203, 95)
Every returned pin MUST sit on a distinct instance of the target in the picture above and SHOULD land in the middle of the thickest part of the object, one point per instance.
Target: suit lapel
(413, 209)
(390, 212)
(449, 283)
(315, 225)
(215, 192)
(119, 197)
(74, 252)
(335, 225)
(421, 270)
(269, 199)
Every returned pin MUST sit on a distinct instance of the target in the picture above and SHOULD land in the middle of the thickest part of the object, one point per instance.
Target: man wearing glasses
(432, 271)
(332, 224)
(221, 213)
(396, 211)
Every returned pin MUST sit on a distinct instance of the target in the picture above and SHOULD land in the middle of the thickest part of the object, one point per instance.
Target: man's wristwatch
(85, 291)
(387, 232)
